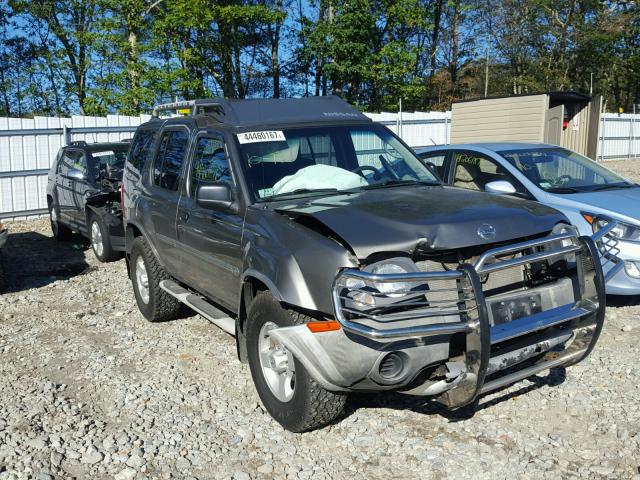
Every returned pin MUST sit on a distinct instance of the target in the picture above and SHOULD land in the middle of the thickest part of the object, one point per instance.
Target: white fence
(29, 146)
(619, 136)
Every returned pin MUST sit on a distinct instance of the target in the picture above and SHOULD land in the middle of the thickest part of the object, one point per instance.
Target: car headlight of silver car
(622, 231)
(561, 228)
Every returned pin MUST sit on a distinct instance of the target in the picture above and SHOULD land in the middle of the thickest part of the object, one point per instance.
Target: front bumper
(455, 350)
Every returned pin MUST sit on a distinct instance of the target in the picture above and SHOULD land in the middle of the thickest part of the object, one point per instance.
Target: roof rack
(77, 143)
(200, 106)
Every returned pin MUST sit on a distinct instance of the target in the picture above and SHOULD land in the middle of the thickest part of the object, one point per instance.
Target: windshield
(321, 160)
(557, 170)
(108, 163)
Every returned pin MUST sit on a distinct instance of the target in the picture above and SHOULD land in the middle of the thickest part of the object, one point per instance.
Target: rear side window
(140, 148)
(473, 171)
(72, 159)
(168, 165)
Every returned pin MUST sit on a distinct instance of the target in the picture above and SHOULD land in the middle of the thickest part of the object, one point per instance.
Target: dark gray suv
(83, 195)
(341, 264)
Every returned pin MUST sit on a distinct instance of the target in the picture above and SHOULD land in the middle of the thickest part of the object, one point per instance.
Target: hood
(438, 218)
(624, 202)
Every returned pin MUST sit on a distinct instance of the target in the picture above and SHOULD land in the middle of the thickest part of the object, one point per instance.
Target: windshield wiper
(563, 190)
(300, 191)
(612, 186)
(393, 183)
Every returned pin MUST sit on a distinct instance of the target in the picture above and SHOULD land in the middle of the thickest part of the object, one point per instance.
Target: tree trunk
(320, 80)
(132, 65)
(237, 66)
(275, 46)
(5, 94)
(437, 15)
(226, 62)
(455, 46)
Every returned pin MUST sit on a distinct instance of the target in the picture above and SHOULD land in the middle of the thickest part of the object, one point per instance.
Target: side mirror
(216, 196)
(502, 187)
(75, 174)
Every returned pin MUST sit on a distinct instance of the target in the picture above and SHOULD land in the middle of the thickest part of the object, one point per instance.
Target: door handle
(184, 216)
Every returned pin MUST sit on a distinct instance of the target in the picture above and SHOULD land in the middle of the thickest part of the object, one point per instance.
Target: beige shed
(568, 119)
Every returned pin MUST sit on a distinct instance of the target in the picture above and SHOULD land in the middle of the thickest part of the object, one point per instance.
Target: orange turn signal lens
(328, 326)
(588, 218)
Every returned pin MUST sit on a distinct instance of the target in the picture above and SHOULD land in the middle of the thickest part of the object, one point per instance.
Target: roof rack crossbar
(196, 106)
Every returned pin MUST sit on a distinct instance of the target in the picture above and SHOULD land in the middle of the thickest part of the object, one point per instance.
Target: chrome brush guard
(453, 302)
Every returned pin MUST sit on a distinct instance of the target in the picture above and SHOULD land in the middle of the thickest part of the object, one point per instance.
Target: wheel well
(88, 212)
(131, 233)
(251, 286)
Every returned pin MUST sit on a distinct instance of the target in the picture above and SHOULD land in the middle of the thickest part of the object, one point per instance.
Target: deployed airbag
(317, 177)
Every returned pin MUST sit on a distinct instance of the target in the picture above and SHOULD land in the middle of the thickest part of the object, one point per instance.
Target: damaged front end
(457, 328)
(106, 203)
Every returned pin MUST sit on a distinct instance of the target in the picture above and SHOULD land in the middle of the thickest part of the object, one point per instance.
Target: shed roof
(554, 97)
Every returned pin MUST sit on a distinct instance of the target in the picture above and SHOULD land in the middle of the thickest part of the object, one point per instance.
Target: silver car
(594, 198)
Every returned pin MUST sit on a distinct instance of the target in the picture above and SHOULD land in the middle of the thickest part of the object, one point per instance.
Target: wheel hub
(54, 221)
(279, 360)
(277, 365)
(96, 238)
(142, 280)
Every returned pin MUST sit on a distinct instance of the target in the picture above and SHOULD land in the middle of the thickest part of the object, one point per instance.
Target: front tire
(146, 274)
(290, 395)
(101, 240)
(60, 231)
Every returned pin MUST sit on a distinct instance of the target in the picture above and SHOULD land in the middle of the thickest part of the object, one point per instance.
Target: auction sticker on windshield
(105, 153)
(262, 136)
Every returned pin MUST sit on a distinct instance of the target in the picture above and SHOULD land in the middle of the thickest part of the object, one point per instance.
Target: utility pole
(400, 117)
(591, 85)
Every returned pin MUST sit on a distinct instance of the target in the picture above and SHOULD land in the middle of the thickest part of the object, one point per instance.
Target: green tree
(71, 24)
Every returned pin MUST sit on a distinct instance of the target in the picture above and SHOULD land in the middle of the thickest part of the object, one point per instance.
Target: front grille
(503, 280)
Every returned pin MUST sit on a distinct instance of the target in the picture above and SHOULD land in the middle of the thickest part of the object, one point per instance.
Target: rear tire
(146, 274)
(303, 404)
(60, 231)
(101, 240)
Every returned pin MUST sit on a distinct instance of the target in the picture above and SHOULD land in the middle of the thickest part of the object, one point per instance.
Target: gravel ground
(89, 389)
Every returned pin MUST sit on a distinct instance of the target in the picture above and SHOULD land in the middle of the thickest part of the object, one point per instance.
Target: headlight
(389, 288)
(366, 294)
(622, 231)
(398, 265)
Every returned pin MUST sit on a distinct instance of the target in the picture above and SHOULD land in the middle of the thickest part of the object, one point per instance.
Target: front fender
(297, 264)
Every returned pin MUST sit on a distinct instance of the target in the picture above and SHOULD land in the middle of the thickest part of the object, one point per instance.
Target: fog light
(391, 366)
(632, 269)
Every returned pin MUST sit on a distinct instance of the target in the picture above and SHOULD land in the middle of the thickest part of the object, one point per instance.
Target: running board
(200, 305)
